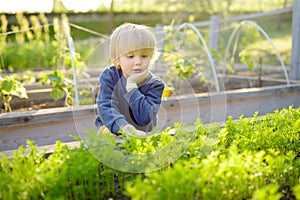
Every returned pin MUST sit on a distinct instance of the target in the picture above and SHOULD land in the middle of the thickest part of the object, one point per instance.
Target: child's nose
(138, 61)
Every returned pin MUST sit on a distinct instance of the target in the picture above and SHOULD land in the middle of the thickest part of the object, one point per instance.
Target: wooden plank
(45, 133)
(35, 96)
(45, 115)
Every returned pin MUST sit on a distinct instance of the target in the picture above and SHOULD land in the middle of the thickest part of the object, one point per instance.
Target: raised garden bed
(48, 125)
(39, 98)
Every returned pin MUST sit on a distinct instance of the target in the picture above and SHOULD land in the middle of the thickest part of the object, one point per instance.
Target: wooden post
(214, 32)
(295, 58)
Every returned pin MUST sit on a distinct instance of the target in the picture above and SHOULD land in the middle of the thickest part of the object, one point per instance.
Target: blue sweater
(117, 107)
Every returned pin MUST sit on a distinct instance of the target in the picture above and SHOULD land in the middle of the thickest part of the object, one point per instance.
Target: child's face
(135, 62)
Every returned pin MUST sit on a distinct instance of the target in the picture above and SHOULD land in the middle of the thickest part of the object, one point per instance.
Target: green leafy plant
(179, 66)
(65, 174)
(186, 60)
(152, 143)
(28, 77)
(62, 87)
(245, 58)
(9, 87)
(251, 158)
(296, 190)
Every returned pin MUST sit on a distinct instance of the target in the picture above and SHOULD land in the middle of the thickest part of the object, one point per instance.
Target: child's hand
(129, 130)
(140, 133)
(138, 78)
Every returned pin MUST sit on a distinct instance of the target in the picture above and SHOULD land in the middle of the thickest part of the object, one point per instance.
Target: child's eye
(130, 56)
(145, 55)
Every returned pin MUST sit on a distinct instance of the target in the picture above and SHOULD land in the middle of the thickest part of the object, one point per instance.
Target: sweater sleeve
(145, 102)
(107, 103)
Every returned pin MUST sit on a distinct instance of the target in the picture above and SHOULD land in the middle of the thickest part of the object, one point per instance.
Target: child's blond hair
(130, 37)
